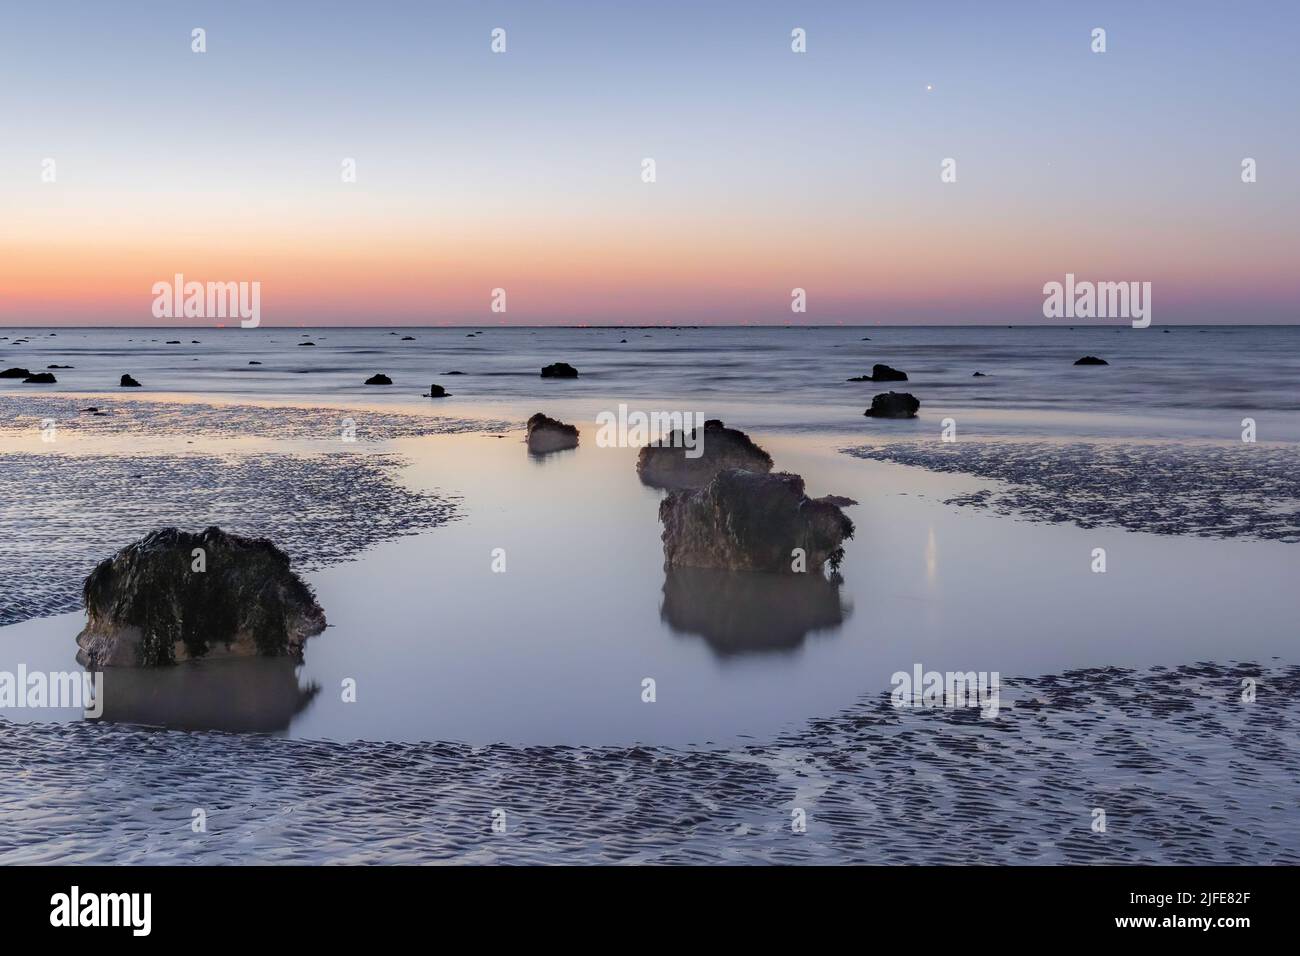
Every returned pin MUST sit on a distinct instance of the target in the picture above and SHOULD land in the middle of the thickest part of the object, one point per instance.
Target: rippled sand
(63, 513)
(1185, 771)
(19, 413)
(1206, 489)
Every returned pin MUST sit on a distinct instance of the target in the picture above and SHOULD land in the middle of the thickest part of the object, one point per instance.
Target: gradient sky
(522, 170)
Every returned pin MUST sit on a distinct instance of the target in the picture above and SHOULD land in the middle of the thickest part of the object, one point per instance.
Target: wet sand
(1184, 771)
(521, 690)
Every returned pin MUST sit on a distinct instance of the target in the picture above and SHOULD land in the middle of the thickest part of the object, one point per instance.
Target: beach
(497, 612)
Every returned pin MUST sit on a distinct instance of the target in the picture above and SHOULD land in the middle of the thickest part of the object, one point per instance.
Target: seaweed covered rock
(692, 459)
(893, 405)
(559, 370)
(747, 521)
(175, 595)
(547, 434)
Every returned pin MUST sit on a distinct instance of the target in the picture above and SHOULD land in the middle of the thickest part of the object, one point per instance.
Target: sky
(523, 170)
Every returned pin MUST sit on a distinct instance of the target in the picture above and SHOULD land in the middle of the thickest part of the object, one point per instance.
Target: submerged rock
(1091, 360)
(40, 378)
(560, 370)
(745, 521)
(893, 405)
(666, 464)
(978, 375)
(548, 434)
(149, 605)
(882, 373)
(380, 379)
(15, 373)
(128, 382)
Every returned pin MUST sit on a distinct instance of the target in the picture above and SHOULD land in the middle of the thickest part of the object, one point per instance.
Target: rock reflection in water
(740, 612)
(252, 695)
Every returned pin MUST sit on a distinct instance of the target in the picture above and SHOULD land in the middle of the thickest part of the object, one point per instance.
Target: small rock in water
(408, 338)
(306, 343)
(15, 373)
(1091, 360)
(148, 605)
(547, 434)
(453, 373)
(978, 375)
(380, 379)
(746, 521)
(437, 391)
(560, 370)
(40, 378)
(254, 363)
(882, 373)
(667, 464)
(128, 382)
(893, 405)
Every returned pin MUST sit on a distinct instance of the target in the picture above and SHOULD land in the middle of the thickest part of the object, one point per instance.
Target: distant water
(1201, 379)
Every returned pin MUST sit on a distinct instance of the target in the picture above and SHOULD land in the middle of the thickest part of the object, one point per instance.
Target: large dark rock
(128, 382)
(893, 405)
(148, 606)
(747, 521)
(1091, 360)
(40, 378)
(560, 370)
(882, 373)
(546, 435)
(665, 463)
(15, 373)
(380, 379)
